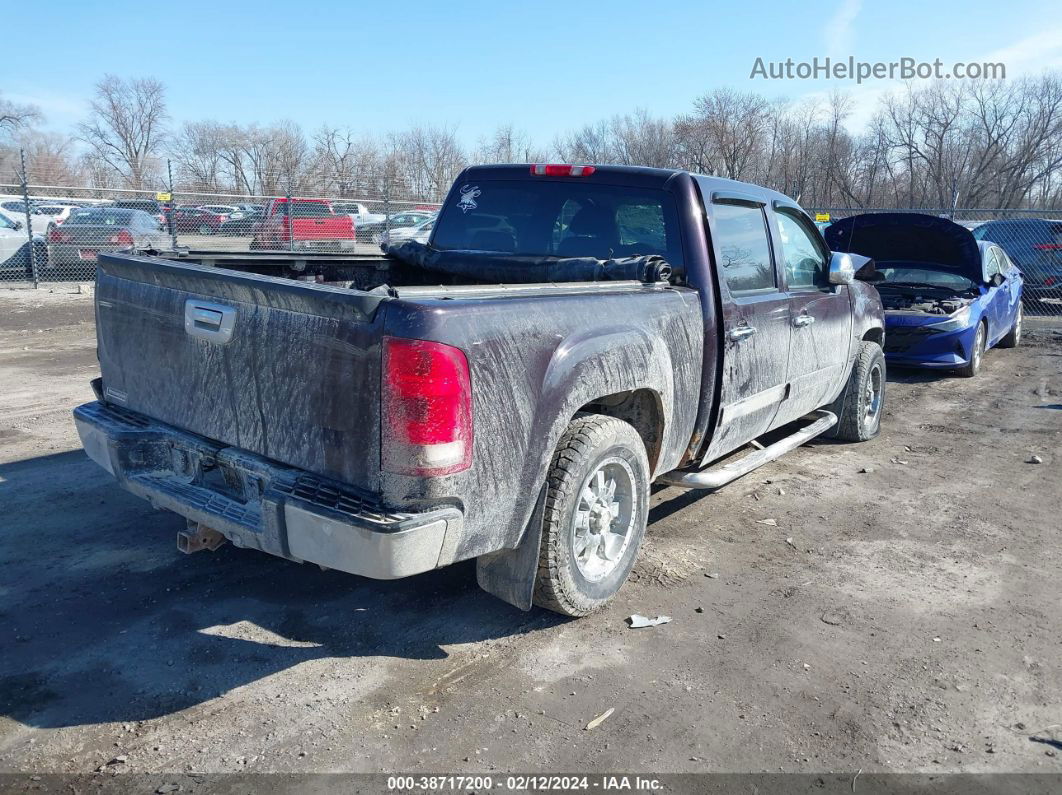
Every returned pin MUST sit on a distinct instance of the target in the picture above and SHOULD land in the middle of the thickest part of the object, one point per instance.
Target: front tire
(860, 406)
(977, 353)
(597, 507)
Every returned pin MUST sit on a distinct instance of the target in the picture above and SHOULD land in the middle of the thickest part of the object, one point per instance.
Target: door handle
(803, 320)
(741, 332)
(209, 321)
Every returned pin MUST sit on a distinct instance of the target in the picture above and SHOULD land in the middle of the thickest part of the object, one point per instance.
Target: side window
(995, 263)
(744, 250)
(806, 263)
(1005, 265)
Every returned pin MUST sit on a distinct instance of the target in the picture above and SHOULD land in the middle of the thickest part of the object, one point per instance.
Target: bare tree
(428, 159)
(126, 127)
(725, 133)
(14, 116)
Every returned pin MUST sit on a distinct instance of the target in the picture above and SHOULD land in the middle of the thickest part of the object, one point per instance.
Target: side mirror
(997, 279)
(845, 268)
(18, 225)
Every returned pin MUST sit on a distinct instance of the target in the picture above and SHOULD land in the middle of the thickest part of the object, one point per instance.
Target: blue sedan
(947, 296)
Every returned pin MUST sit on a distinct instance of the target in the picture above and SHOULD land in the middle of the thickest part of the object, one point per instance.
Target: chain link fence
(54, 233)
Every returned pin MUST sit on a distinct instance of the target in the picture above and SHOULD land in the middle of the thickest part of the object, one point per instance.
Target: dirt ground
(892, 605)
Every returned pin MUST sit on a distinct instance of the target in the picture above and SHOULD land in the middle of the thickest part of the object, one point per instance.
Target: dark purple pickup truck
(507, 392)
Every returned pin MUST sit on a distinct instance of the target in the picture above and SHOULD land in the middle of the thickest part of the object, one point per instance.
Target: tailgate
(332, 228)
(284, 369)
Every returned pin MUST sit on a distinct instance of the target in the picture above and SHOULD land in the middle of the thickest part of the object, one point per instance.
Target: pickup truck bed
(250, 403)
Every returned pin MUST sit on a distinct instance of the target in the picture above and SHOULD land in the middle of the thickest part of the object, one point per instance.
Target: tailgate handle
(208, 321)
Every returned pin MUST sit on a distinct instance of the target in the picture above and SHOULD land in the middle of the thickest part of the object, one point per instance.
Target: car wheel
(1013, 338)
(597, 507)
(860, 406)
(977, 354)
(204, 229)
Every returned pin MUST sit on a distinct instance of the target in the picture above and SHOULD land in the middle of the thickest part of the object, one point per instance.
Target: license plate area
(217, 474)
(88, 255)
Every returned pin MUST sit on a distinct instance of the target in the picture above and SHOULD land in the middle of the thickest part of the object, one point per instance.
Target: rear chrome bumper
(264, 505)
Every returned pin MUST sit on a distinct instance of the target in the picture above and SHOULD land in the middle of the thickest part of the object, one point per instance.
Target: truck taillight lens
(123, 238)
(56, 236)
(426, 427)
(561, 170)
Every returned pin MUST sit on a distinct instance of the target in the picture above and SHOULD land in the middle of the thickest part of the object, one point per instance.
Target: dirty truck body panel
(254, 404)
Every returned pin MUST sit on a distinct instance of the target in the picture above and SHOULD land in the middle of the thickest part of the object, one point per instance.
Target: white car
(359, 213)
(226, 211)
(421, 232)
(15, 209)
(14, 250)
(56, 213)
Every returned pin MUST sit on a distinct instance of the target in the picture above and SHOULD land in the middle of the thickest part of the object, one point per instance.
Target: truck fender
(585, 368)
(603, 362)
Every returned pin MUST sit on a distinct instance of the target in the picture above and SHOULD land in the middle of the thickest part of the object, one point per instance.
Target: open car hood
(910, 238)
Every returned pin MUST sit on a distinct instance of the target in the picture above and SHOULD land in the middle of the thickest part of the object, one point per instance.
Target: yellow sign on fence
(163, 197)
(822, 216)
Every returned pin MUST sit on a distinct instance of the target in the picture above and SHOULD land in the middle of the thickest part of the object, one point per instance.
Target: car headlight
(959, 320)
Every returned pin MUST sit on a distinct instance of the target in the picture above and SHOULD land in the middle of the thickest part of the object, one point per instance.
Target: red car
(197, 221)
(312, 224)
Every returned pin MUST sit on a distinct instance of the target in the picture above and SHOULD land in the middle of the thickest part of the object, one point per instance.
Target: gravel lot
(886, 606)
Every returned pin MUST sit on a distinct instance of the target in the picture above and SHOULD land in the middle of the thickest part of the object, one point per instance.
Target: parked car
(421, 232)
(947, 297)
(571, 334)
(196, 220)
(15, 210)
(150, 206)
(372, 232)
(226, 211)
(359, 213)
(56, 213)
(14, 248)
(91, 230)
(312, 225)
(1035, 246)
(242, 225)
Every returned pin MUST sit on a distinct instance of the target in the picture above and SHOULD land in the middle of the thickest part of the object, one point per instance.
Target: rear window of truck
(560, 219)
(305, 209)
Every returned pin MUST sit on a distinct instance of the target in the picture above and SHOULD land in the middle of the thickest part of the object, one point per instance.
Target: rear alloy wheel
(977, 354)
(204, 229)
(1013, 338)
(597, 507)
(860, 406)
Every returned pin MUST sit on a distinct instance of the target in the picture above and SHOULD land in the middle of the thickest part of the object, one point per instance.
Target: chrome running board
(715, 478)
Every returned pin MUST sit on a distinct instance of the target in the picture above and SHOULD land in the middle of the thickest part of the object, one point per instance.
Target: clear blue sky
(544, 66)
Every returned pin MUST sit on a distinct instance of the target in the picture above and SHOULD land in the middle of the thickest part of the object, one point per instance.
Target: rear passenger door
(756, 324)
(821, 315)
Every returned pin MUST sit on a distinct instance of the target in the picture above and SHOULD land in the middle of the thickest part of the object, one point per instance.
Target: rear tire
(860, 406)
(977, 354)
(597, 507)
(1013, 338)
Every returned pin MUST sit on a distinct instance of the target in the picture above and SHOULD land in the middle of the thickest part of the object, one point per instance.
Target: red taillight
(1048, 246)
(1050, 280)
(426, 427)
(56, 236)
(560, 170)
(123, 238)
